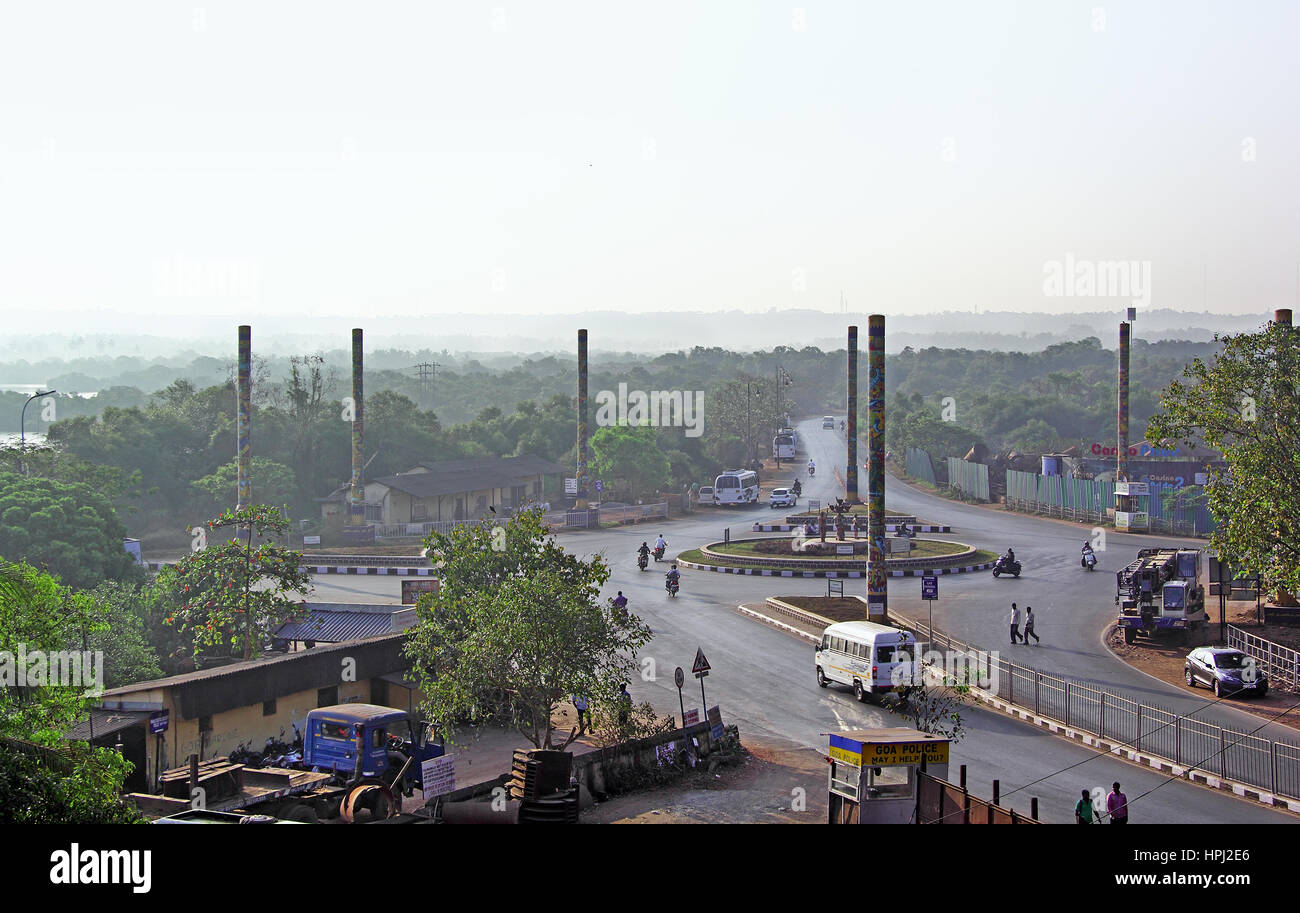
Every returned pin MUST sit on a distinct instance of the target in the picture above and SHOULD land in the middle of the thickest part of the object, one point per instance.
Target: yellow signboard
(904, 753)
(894, 753)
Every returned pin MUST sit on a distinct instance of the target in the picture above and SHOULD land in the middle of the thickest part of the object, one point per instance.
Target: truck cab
(385, 736)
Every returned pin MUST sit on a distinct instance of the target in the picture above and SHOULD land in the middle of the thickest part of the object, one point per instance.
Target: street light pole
(22, 426)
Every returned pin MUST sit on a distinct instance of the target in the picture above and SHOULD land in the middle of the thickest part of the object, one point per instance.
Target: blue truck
(355, 757)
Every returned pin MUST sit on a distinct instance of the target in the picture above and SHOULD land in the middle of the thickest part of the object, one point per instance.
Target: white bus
(783, 444)
(736, 486)
(865, 655)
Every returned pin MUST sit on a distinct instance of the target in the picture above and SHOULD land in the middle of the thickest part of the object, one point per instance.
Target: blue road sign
(929, 587)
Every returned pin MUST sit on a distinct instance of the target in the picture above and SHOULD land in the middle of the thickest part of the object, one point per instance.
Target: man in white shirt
(1015, 624)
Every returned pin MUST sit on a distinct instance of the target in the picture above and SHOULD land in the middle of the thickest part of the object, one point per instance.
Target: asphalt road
(763, 679)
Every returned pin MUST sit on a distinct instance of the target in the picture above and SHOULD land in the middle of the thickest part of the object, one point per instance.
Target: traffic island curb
(852, 575)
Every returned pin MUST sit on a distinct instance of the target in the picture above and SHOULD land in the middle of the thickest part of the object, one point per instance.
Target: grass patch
(763, 548)
(833, 607)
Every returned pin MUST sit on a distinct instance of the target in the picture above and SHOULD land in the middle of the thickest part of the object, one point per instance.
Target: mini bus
(783, 445)
(865, 655)
(828, 421)
(736, 486)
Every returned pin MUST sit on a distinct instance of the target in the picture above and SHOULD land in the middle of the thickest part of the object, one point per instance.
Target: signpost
(700, 669)
(600, 486)
(158, 721)
(679, 679)
(413, 587)
(930, 592)
(570, 486)
(438, 776)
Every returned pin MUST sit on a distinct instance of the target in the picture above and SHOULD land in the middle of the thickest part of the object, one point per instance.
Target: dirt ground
(1164, 659)
(776, 783)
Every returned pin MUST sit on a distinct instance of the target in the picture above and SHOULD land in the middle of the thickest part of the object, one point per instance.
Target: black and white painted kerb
(788, 527)
(334, 569)
(769, 572)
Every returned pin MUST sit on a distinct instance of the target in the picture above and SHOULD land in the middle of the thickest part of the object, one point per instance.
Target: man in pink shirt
(1117, 805)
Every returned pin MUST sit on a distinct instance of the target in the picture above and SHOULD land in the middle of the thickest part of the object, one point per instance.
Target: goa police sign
(884, 754)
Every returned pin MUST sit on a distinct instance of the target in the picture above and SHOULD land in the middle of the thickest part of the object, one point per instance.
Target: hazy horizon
(245, 162)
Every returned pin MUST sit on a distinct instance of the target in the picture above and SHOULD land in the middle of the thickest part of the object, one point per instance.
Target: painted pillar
(1121, 453)
(582, 420)
(1282, 317)
(851, 422)
(877, 579)
(357, 506)
(243, 419)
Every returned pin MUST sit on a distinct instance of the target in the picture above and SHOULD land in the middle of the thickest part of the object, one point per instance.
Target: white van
(864, 654)
(828, 421)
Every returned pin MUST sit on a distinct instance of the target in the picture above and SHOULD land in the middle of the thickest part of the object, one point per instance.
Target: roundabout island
(782, 556)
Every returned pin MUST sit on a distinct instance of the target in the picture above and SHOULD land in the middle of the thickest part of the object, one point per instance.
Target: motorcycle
(905, 531)
(659, 553)
(642, 560)
(812, 471)
(1006, 566)
(1089, 560)
(671, 584)
(796, 489)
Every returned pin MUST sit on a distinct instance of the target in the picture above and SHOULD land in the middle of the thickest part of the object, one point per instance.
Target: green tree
(216, 492)
(44, 778)
(67, 528)
(234, 594)
(516, 628)
(1034, 436)
(75, 784)
(1246, 404)
(630, 454)
(116, 629)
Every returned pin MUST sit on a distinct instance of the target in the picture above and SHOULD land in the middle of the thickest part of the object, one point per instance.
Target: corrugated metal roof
(461, 476)
(106, 722)
(333, 627)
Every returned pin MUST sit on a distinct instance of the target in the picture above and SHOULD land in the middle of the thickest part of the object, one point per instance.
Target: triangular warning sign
(701, 664)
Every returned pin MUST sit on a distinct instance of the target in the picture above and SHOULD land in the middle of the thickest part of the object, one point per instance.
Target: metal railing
(1179, 739)
(1281, 664)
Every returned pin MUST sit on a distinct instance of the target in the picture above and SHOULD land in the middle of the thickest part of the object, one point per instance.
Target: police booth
(873, 773)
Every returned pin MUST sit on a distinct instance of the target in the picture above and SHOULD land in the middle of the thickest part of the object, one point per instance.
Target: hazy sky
(232, 159)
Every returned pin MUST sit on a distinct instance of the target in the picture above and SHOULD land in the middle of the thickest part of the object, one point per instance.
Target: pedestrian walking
(1029, 624)
(620, 601)
(1015, 624)
(582, 705)
(624, 705)
(1117, 805)
(1083, 809)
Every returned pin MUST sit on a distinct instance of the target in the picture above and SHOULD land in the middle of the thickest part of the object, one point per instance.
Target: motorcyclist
(643, 551)
(796, 488)
(1088, 554)
(620, 601)
(1011, 555)
(673, 577)
(903, 529)
(812, 468)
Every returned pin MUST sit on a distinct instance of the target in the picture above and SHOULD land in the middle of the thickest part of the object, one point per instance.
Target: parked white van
(864, 654)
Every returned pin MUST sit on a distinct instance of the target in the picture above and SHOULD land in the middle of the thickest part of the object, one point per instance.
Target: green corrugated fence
(919, 465)
(972, 478)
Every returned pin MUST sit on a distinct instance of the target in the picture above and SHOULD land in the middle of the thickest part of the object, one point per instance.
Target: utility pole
(425, 373)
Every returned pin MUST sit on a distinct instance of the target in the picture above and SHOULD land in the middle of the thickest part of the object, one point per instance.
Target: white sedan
(781, 497)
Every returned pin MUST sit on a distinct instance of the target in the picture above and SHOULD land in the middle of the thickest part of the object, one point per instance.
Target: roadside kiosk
(873, 773)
